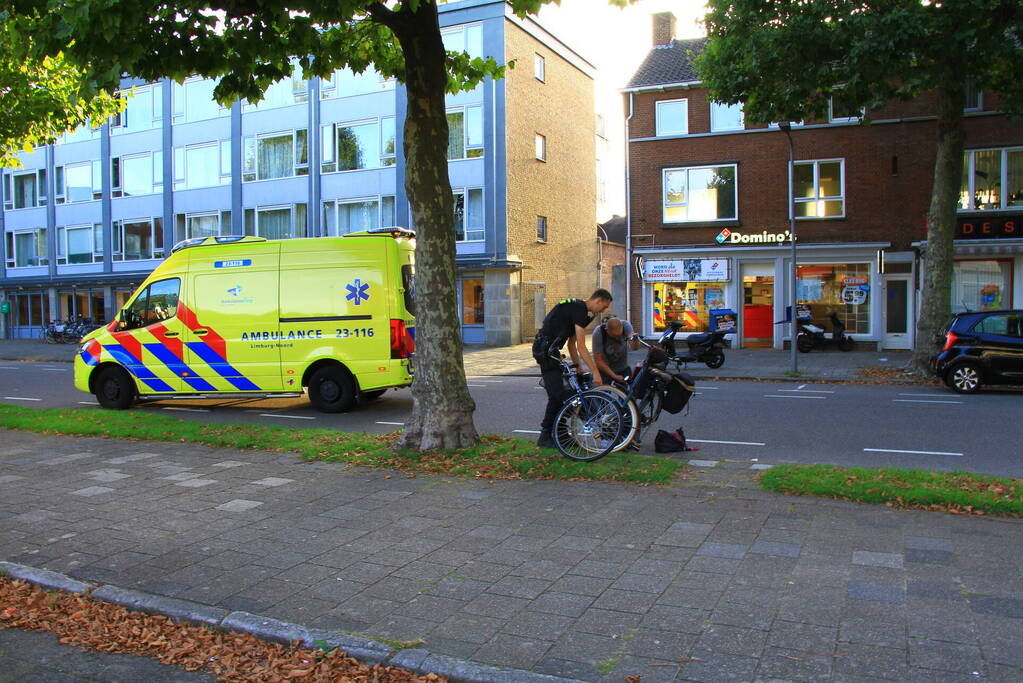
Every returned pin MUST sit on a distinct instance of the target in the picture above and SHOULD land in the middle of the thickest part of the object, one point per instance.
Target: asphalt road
(769, 422)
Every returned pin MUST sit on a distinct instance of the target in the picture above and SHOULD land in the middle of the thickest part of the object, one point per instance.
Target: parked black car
(980, 347)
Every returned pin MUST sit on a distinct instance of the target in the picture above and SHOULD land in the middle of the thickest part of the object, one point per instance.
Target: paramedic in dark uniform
(611, 342)
(566, 322)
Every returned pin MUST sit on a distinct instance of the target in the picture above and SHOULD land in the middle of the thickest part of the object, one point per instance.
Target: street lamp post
(786, 128)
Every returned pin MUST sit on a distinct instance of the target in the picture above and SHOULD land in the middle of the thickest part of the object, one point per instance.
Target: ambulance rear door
(234, 335)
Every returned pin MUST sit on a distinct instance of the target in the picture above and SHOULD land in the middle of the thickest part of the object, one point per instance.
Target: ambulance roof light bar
(393, 231)
(209, 241)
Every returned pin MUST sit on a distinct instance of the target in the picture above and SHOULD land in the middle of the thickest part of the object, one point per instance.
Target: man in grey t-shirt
(611, 342)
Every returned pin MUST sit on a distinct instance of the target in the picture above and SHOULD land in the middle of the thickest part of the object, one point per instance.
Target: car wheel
(332, 390)
(114, 388)
(964, 378)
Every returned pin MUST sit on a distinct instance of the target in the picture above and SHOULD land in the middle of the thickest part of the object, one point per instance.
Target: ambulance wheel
(114, 389)
(331, 390)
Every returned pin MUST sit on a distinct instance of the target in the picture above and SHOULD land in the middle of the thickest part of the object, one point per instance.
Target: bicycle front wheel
(630, 415)
(588, 426)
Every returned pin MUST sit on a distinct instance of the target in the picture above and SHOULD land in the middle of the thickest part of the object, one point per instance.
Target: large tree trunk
(935, 305)
(441, 405)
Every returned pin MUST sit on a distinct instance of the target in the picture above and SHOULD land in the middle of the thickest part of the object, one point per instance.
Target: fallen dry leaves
(232, 657)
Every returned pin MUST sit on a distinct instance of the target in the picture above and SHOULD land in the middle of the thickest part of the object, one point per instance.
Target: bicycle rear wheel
(588, 426)
(629, 414)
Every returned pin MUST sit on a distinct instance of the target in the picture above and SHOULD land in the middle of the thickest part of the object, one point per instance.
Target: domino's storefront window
(686, 290)
(842, 288)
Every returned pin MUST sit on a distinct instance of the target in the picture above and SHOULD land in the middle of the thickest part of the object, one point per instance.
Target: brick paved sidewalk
(707, 580)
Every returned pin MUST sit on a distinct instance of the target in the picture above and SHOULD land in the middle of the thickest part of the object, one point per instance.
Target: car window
(1002, 325)
(157, 303)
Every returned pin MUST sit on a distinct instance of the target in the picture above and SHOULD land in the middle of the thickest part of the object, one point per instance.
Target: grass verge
(494, 457)
(955, 492)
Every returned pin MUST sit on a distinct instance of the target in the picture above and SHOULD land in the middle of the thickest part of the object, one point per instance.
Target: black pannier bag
(679, 390)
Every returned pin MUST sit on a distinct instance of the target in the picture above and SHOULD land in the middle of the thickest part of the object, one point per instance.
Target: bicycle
(589, 424)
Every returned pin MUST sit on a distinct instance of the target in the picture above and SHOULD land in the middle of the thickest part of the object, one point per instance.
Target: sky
(615, 41)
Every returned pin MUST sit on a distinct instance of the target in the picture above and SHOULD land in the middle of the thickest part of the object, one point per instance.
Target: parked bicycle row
(68, 331)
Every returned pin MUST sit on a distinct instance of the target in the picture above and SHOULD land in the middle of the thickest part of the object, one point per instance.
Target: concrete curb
(363, 649)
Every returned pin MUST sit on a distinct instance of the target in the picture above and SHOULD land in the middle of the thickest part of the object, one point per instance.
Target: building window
(276, 222)
(465, 133)
(984, 285)
(350, 146)
(143, 110)
(138, 239)
(290, 90)
(540, 144)
(205, 224)
(687, 302)
(819, 189)
(345, 83)
(465, 38)
(672, 117)
(700, 193)
(836, 288)
(992, 179)
(79, 244)
(27, 248)
(193, 101)
(469, 224)
(29, 189)
(539, 68)
(839, 112)
(387, 138)
(472, 302)
(343, 216)
(135, 175)
(274, 155)
(726, 117)
(83, 181)
(541, 229)
(973, 96)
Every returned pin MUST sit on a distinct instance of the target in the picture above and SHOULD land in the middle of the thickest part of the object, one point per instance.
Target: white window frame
(334, 206)
(466, 38)
(118, 189)
(969, 166)
(665, 204)
(179, 102)
(328, 144)
(540, 68)
(250, 156)
(155, 237)
(716, 127)
(478, 232)
(470, 149)
(541, 229)
(12, 247)
(63, 240)
(124, 122)
(540, 146)
(92, 166)
(817, 198)
(661, 128)
(38, 188)
(843, 119)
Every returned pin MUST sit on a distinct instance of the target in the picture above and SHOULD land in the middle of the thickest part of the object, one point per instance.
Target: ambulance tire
(114, 388)
(332, 389)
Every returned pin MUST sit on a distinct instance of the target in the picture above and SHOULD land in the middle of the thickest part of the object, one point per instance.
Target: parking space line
(21, 398)
(729, 443)
(911, 400)
(777, 396)
(289, 417)
(892, 450)
(187, 410)
(925, 395)
(55, 369)
(526, 431)
(88, 403)
(400, 424)
(809, 391)
(7, 367)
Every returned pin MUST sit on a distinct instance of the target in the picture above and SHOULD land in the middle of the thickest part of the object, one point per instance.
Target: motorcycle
(812, 336)
(706, 347)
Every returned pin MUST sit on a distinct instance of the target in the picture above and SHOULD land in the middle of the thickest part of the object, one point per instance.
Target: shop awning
(973, 247)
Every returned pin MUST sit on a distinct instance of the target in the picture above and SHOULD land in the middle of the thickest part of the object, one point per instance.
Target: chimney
(664, 28)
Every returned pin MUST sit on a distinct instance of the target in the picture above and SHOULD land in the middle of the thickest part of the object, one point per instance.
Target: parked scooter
(707, 347)
(812, 336)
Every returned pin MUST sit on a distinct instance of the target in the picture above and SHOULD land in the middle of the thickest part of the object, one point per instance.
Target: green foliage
(957, 492)
(43, 97)
(785, 59)
(494, 457)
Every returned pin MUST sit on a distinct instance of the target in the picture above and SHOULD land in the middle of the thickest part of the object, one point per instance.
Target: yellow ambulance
(228, 316)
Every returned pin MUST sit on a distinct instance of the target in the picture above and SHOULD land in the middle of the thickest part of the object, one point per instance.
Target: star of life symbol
(357, 292)
(236, 290)
(723, 235)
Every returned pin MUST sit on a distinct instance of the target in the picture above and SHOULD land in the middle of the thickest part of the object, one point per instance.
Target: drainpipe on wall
(628, 221)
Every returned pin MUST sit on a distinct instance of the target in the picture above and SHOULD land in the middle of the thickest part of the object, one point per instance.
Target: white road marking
(7, 367)
(731, 443)
(910, 400)
(55, 369)
(809, 391)
(930, 395)
(400, 424)
(475, 385)
(526, 431)
(289, 417)
(188, 410)
(88, 403)
(892, 450)
(486, 381)
(21, 398)
(777, 396)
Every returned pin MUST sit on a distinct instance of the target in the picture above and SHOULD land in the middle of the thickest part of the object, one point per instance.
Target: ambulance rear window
(408, 273)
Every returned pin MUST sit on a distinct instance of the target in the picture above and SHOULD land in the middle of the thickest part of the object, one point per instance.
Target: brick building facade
(709, 213)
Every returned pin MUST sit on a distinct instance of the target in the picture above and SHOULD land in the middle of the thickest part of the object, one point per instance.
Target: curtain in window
(138, 243)
(24, 191)
(275, 224)
(987, 179)
(275, 157)
(1014, 179)
(459, 216)
(24, 249)
(474, 218)
(356, 216)
(203, 226)
(456, 135)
